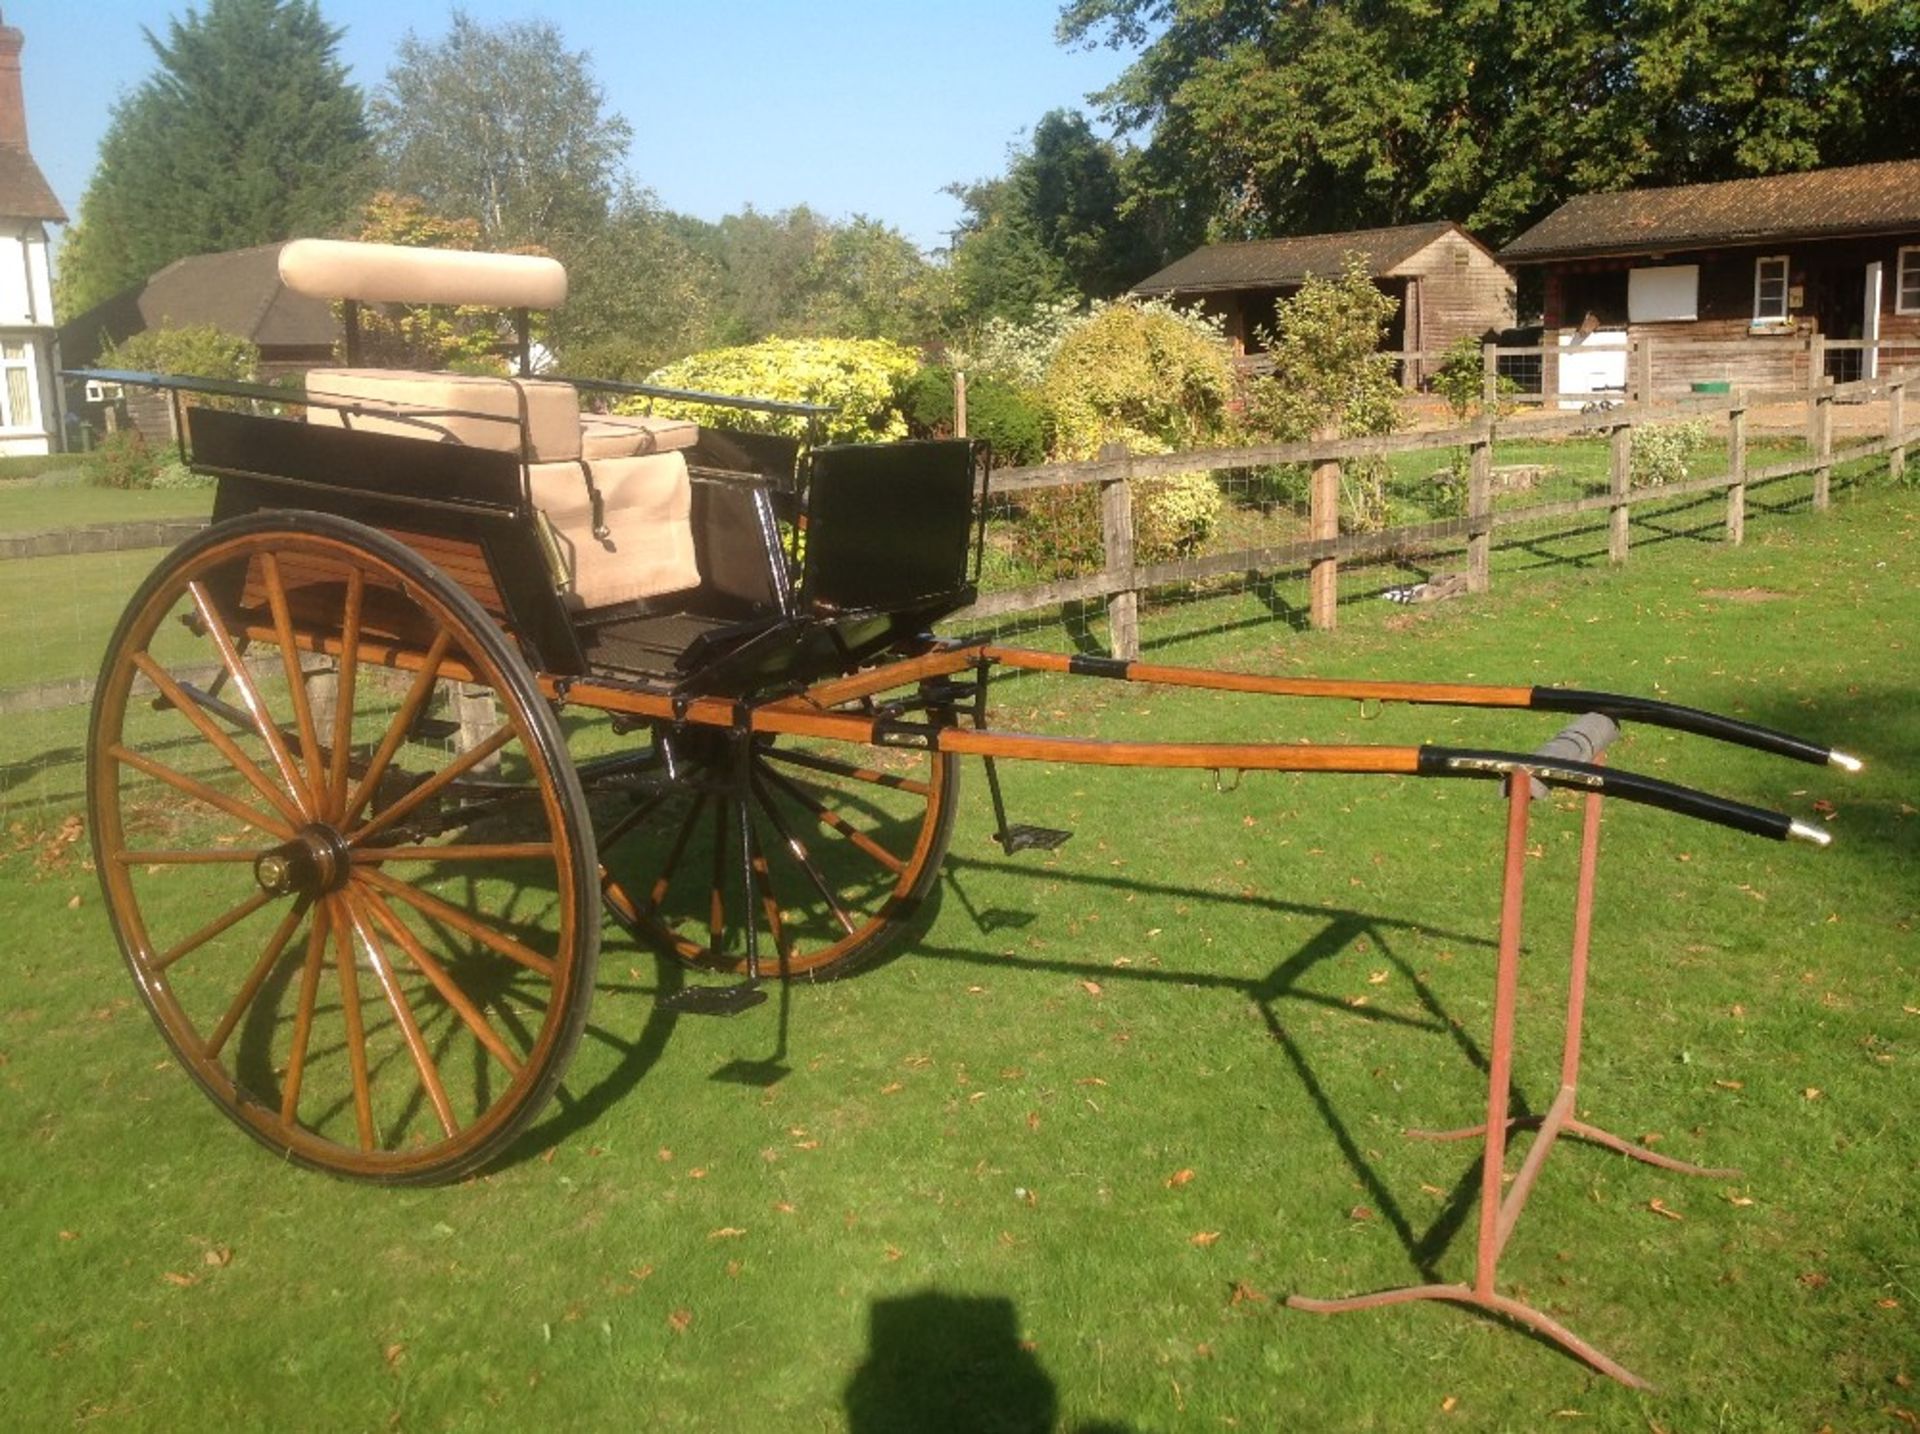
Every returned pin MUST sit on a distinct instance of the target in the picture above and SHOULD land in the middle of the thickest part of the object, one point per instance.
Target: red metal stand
(1499, 1215)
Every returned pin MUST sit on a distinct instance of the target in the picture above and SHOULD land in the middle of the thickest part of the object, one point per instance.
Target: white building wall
(26, 317)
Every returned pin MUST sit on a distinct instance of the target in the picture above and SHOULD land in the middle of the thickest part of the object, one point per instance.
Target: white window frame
(1905, 271)
(1786, 289)
(13, 422)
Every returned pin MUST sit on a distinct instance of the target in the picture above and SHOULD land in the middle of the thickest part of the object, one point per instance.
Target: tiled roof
(238, 292)
(1269, 263)
(24, 192)
(1820, 203)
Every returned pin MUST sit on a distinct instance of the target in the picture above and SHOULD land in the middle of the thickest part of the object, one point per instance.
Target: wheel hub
(314, 863)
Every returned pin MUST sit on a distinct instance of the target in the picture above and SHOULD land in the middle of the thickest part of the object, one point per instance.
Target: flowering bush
(1661, 451)
(859, 379)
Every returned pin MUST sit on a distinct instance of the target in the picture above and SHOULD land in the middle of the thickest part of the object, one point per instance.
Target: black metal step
(1021, 837)
(714, 1000)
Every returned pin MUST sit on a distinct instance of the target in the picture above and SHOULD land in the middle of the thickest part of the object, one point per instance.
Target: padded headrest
(396, 274)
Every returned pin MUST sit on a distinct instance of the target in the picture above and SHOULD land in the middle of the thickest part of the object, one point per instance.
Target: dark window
(1602, 296)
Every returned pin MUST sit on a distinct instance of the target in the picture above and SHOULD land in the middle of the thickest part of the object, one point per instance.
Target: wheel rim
(843, 842)
(361, 929)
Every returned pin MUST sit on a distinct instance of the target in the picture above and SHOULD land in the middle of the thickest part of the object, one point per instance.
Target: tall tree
(1052, 227)
(246, 133)
(504, 125)
(1299, 118)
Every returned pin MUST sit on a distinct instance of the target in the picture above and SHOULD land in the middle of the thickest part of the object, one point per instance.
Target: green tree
(1265, 118)
(1054, 226)
(246, 133)
(639, 294)
(501, 124)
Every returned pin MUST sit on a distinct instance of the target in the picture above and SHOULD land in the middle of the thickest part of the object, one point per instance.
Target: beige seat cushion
(478, 411)
(648, 507)
(620, 435)
(394, 273)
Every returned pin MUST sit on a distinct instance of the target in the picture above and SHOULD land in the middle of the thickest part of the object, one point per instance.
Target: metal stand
(1499, 1215)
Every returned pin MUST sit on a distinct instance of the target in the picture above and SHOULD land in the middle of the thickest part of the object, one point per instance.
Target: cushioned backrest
(477, 411)
(647, 508)
(397, 274)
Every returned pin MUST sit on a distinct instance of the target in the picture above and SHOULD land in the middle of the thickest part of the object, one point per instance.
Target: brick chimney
(13, 101)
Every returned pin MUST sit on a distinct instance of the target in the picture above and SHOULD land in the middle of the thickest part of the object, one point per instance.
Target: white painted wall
(1592, 363)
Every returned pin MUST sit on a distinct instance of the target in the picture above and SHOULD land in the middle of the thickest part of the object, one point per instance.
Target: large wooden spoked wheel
(343, 848)
(843, 842)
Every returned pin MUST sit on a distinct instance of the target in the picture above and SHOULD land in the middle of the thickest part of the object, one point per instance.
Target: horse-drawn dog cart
(356, 830)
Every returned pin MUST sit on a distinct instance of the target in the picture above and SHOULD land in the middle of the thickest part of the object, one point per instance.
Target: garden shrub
(859, 379)
(122, 460)
(1661, 451)
(1157, 381)
(1012, 420)
(191, 350)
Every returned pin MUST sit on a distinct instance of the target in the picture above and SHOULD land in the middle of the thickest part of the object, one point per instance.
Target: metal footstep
(1022, 837)
(714, 1000)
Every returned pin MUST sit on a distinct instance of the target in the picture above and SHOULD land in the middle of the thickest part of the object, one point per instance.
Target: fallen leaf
(1376, 978)
(733, 1269)
(73, 902)
(784, 1207)
(665, 1154)
(1449, 1404)
(1813, 1279)
(1244, 1293)
(1033, 1120)
(1659, 1208)
(1359, 1212)
(894, 1252)
(1905, 1416)
(699, 1172)
(219, 1256)
(1739, 1201)
(1089, 1080)
(1178, 1178)
(892, 1088)
(69, 1235)
(726, 1232)
(679, 1320)
(1092, 988)
(393, 1354)
(641, 1272)
(1204, 1238)
(1886, 1304)
(1731, 1084)
(1812, 1092)
(175, 1278)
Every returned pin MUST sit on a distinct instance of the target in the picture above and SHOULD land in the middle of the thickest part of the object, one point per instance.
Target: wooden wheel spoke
(344, 692)
(303, 1012)
(641, 811)
(456, 851)
(184, 703)
(769, 898)
(250, 698)
(838, 768)
(356, 1029)
(833, 819)
(212, 929)
(460, 921)
(798, 850)
(448, 988)
(717, 893)
(255, 978)
(200, 791)
(398, 728)
(437, 783)
(210, 857)
(316, 774)
(402, 1013)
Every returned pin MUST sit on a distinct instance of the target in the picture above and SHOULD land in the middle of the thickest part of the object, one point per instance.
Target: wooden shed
(1761, 283)
(1448, 283)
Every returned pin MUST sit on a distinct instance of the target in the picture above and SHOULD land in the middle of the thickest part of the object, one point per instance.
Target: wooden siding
(1461, 291)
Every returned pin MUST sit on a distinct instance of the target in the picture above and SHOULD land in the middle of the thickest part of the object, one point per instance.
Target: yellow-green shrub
(858, 379)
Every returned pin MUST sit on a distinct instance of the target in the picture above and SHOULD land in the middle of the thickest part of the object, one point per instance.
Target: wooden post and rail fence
(1122, 580)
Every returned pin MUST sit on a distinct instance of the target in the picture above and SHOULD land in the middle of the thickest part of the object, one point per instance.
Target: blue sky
(851, 106)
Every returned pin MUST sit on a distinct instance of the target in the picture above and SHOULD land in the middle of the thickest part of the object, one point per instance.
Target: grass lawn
(1059, 1163)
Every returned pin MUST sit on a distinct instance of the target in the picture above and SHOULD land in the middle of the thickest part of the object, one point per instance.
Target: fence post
(959, 403)
(1646, 370)
(1737, 471)
(1116, 531)
(1816, 363)
(1489, 377)
(1480, 510)
(1619, 471)
(479, 720)
(1323, 521)
(1823, 446)
(1897, 429)
(1550, 371)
